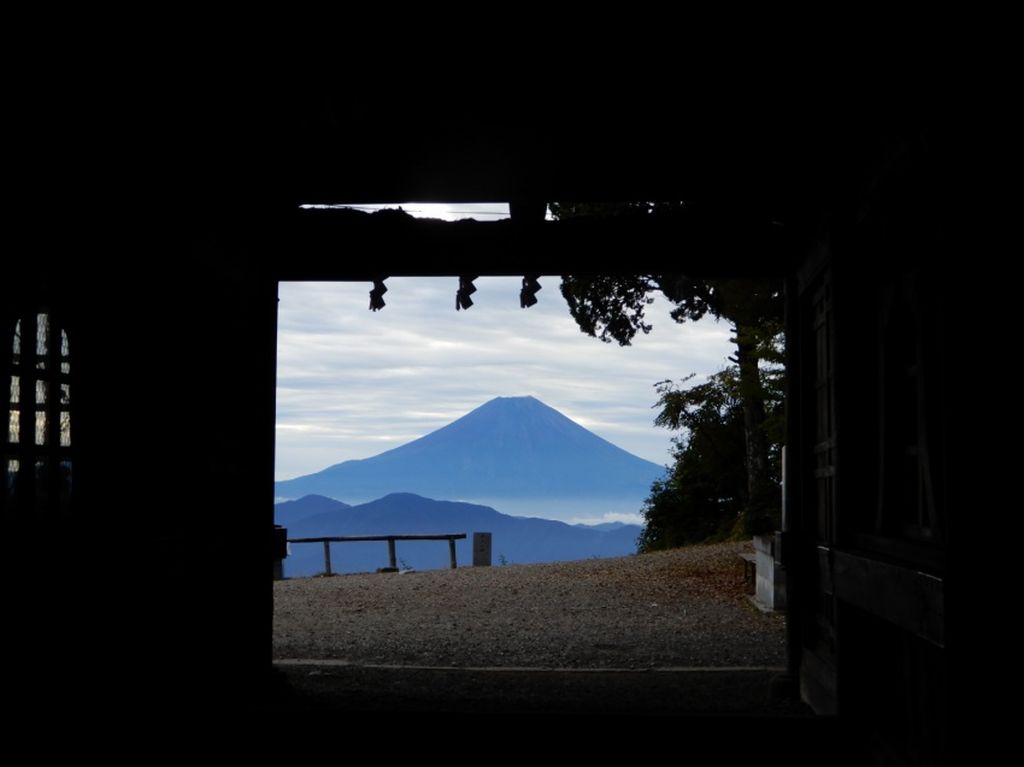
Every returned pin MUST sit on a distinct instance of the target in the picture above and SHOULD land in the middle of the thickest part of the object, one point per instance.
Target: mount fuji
(515, 454)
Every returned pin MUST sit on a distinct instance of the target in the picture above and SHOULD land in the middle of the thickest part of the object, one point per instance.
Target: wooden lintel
(346, 245)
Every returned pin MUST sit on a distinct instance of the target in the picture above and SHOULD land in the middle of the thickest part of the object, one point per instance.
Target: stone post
(481, 549)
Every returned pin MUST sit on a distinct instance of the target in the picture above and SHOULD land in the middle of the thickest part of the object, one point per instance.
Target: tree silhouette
(611, 307)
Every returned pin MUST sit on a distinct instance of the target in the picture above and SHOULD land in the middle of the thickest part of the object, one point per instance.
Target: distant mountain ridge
(519, 540)
(289, 513)
(508, 451)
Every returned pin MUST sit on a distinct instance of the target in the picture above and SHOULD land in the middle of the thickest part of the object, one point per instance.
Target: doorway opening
(362, 394)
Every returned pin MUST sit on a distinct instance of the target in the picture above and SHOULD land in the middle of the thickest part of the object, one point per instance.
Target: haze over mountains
(515, 454)
(518, 540)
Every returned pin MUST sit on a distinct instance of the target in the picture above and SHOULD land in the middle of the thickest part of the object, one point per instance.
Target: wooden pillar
(327, 557)
(391, 553)
(792, 491)
(451, 552)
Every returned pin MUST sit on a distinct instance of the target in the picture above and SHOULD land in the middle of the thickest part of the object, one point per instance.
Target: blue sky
(353, 383)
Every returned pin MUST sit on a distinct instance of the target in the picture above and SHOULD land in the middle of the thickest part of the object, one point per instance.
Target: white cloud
(353, 383)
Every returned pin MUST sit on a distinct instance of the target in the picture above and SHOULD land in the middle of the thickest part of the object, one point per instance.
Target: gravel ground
(678, 608)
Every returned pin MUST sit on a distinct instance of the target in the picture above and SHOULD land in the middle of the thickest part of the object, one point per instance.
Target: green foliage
(563, 210)
(702, 497)
(609, 307)
(725, 480)
(708, 495)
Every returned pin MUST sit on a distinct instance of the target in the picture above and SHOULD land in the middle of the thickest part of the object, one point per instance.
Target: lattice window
(37, 444)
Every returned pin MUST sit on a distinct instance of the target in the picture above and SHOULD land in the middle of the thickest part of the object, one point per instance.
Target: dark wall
(877, 346)
(172, 339)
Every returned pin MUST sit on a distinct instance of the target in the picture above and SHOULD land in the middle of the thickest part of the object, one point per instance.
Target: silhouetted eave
(348, 245)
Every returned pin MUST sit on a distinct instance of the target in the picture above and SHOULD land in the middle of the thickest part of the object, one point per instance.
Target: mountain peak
(506, 448)
(524, 403)
(525, 399)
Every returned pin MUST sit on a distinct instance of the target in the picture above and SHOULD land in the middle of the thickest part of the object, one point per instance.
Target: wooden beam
(912, 600)
(350, 245)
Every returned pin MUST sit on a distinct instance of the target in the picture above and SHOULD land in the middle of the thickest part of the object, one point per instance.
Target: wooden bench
(327, 541)
(749, 569)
